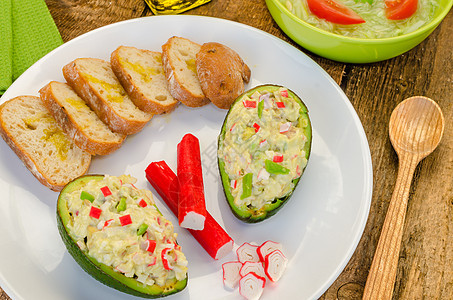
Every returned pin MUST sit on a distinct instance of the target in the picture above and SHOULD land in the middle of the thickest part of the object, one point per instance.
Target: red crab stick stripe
(213, 238)
(191, 204)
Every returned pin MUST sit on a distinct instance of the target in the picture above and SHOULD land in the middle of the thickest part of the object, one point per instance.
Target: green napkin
(27, 33)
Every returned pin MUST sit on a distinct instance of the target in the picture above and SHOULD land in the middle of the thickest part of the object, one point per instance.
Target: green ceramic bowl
(347, 49)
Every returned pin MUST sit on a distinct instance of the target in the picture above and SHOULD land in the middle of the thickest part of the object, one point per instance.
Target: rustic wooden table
(425, 269)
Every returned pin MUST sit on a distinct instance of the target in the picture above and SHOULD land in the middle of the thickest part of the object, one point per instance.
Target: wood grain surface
(425, 268)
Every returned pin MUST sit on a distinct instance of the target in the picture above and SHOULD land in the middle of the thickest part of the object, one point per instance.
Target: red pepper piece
(142, 203)
(278, 158)
(125, 220)
(191, 205)
(256, 126)
(95, 212)
(213, 238)
(150, 245)
(249, 104)
(280, 104)
(106, 191)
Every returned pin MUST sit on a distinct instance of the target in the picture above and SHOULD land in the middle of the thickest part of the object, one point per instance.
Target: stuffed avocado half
(263, 149)
(117, 235)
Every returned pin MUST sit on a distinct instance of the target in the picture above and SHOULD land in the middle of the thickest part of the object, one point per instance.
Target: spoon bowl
(415, 129)
(416, 126)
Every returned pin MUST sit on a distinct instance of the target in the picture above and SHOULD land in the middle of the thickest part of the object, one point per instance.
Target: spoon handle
(381, 278)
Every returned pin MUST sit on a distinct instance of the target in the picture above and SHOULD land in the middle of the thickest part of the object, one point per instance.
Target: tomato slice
(400, 9)
(334, 12)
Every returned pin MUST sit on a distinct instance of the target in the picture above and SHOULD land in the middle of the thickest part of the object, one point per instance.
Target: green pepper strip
(86, 196)
(260, 108)
(247, 185)
(275, 168)
(142, 229)
(121, 205)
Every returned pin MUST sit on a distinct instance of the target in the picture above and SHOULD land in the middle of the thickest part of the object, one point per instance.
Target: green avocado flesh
(102, 272)
(263, 149)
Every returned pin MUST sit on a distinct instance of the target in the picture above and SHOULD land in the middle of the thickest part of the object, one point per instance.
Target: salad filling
(118, 225)
(263, 146)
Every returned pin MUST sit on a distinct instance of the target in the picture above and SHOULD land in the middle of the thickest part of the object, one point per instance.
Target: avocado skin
(99, 271)
(249, 215)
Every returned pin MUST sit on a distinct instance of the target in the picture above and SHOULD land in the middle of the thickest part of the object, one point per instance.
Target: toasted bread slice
(222, 73)
(34, 135)
(142, 76)
(179, 60)
(78, 120)
(94, 81)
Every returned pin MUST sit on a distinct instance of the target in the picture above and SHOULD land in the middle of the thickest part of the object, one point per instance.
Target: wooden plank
(425, 269)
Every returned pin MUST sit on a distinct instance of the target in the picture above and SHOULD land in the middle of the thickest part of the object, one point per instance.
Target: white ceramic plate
(319, 227)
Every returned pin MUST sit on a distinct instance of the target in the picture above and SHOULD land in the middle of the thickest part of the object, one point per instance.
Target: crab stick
(251, 286)
(191, 204)
(267, 247)
(213, 238)
(231, 274)
(248, 252)
(275, 264)
(251, 266)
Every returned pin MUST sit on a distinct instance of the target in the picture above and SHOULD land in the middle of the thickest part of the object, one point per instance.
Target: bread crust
(27, 158)
(222, 73)
(134, 90)
(97, 103)
(70, 127)
(176, 84)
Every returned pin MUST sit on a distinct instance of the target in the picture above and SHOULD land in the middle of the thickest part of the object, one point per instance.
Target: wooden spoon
(416, 127)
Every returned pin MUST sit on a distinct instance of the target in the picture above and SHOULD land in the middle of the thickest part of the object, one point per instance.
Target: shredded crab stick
(231, 274)
(274, 265)
(213, 238)
(247, 252)
(267, 247)
(251, 286)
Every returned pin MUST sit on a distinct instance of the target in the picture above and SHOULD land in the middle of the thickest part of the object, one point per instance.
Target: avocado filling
(118, 225)
(263, 146)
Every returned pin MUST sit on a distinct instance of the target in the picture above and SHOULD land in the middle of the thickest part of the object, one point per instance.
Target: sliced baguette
(179, 61)
(142, 76)
(94, 81)
(222, 73)
(78, 120)
(34, 135)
